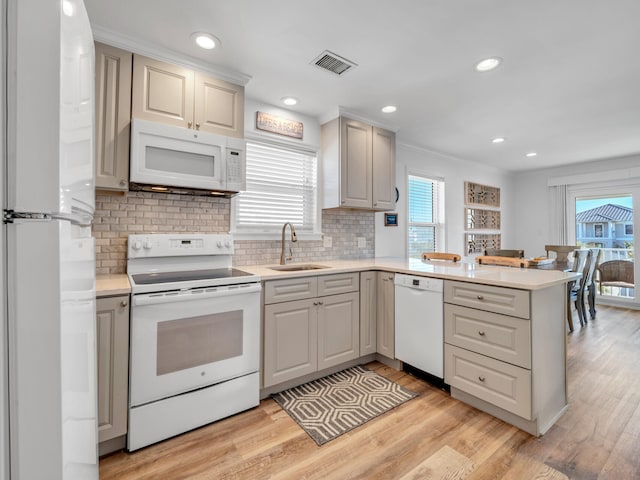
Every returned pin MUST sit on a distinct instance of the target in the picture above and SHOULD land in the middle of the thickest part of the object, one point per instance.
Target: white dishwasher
(419, 335)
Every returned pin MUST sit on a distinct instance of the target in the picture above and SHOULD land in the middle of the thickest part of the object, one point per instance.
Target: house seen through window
(425, 215)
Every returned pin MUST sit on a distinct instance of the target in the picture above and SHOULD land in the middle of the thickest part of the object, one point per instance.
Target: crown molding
(354, 115)
(147, 49)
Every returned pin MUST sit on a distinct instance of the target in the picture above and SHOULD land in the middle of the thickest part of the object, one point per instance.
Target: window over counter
(425, 215)
(282, 187)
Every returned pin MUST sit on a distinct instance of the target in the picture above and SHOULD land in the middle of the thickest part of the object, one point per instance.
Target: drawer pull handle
(480, 297)
(481, 333)
(481, 378)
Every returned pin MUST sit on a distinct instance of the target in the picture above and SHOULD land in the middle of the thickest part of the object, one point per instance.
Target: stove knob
(148, 245)
(227, 244)
(219, 243)
(136, 245)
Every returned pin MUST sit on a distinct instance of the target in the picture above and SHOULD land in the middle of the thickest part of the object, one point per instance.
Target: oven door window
(196, 341)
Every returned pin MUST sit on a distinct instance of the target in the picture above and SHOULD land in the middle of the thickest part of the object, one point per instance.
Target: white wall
(391, 241)
(311, 127)
(532, 224)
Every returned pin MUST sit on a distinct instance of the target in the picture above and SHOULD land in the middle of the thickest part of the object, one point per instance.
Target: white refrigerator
(49, 255)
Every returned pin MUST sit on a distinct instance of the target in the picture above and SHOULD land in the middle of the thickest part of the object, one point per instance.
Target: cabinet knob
(315, 303)
(197, 126)
(480, 297)
(481, 378)
(343, 201)
(189, 124)
(481, 333)
(320, 303)
(124, 303)
(123, 183)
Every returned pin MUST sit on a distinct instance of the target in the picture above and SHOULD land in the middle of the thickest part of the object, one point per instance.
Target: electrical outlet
(327, 241)
(362, 242)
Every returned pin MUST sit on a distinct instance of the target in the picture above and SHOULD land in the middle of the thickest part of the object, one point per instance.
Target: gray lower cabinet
(112, 330)
(309, 332)
(385, 303)
(377, 313)
(505, 351)
(368, 312)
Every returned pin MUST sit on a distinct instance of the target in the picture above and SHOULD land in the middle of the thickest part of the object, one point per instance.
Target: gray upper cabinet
(358, 165)
(178, 96)
(384, 169)
(113, 116)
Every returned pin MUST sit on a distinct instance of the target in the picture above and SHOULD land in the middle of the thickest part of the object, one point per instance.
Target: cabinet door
(113, 116)
(368, 309)
(290, 340)
(112, 316)
(338, 329)
(219, 106)
(162, 92)
(355, 165)
(384, 169)
(386, 314)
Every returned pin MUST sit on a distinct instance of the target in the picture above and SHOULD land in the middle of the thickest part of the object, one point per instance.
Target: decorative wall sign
(481, 219)
(278, 125)
(479, 242)
(390, 219)
(476, 194)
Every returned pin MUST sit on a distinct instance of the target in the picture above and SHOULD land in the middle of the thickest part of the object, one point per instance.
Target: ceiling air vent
(330, 62)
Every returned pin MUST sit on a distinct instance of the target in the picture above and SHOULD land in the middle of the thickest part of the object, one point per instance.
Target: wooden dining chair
(561, 251)
(581, 264)
(450, 257)
(591, 283)
(496, 252)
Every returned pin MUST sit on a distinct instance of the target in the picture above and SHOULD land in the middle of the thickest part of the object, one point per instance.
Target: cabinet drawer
(499, 383)
(498, 336)
(338, 283)
(290, 289)
(508, 301)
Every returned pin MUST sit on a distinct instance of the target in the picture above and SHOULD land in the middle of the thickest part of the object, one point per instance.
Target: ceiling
(568, 87)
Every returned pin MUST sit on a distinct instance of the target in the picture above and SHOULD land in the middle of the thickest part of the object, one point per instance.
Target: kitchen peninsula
(505, 334)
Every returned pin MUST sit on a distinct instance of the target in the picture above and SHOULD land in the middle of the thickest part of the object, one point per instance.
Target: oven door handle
(195, 294)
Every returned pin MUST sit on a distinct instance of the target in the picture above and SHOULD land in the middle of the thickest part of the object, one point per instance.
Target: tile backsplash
(119, 215)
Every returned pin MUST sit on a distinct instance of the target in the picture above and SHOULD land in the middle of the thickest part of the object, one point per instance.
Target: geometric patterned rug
(330, 406)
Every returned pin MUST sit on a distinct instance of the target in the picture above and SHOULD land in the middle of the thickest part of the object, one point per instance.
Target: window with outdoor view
(425, 215)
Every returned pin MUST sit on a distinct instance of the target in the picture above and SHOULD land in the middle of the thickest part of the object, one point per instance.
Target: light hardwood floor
(432, 436)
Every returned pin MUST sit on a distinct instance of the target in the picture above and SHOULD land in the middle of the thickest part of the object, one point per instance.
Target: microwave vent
(332, 63)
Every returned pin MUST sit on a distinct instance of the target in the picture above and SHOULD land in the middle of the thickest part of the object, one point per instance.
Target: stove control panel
(175, 245)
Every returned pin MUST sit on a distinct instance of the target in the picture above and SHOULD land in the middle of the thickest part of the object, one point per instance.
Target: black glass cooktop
(187, 276)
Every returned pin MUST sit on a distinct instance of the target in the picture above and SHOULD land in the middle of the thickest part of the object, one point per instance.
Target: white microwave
(164, 157)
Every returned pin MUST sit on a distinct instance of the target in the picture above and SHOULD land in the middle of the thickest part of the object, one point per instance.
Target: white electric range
(195, 334)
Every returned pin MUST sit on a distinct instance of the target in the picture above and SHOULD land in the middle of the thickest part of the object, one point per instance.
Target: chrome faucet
(283, 259)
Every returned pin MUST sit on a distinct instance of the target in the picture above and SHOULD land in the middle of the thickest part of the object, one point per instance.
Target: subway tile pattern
(119, 215)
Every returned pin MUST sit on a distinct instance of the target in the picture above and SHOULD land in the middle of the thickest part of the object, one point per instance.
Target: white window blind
(425, 215)
(281, 187)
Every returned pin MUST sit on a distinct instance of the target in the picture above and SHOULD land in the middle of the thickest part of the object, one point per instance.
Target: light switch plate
(328, 241)
(362, 242)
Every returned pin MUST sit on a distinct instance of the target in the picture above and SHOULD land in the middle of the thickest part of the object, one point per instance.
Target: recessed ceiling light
(205, 40)
(389, 108)
(289, 101)
(498, 140)
(531, 154)
(488, 64)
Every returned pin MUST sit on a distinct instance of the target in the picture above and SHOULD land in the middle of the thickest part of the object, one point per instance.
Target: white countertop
(521, 278)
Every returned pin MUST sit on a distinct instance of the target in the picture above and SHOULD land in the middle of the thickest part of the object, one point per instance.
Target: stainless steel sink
(296, 267)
